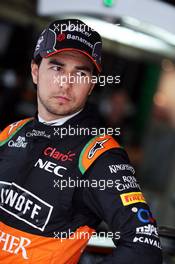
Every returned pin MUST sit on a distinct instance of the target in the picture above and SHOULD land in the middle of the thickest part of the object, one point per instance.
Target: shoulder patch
(11, 130)
(94, 148)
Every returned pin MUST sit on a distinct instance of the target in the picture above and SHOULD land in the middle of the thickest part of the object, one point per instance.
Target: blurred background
(139, 45)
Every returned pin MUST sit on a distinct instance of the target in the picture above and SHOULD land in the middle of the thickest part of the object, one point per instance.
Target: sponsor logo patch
(57, 155)
(37, 133)
(19, 143)
(50, 167)
(12, 126)
(127, 182)
(146, 240)
(132, 198)
(24, 205)
(40, 40)
(148, 230)
(84, 41)
(121, 167)
(98, 145)
(61, 37)
(144, 215)
(14, 244)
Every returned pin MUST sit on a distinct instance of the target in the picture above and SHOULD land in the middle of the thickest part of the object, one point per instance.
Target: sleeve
(11, 130)
(115, 197)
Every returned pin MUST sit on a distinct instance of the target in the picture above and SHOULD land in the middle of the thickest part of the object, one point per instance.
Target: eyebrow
(55, 62)
(83, 68)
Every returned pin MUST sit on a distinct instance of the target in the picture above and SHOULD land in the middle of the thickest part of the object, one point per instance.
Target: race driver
(40, 221)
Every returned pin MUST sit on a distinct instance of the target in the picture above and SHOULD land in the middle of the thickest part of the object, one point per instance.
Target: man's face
(63, 84)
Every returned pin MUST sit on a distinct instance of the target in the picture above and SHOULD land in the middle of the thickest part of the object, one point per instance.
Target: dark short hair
(37, 60)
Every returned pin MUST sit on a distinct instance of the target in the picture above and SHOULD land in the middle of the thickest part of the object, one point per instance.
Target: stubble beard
(56, 110)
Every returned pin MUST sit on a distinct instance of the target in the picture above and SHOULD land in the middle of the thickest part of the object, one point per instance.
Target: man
(46, 216)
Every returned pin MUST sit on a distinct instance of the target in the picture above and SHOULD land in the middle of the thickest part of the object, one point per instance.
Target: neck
(60, 120)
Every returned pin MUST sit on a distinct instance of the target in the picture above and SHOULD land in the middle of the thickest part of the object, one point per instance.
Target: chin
(64, 112)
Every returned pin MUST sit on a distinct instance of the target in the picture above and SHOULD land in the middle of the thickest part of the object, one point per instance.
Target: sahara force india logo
(14, 244)
(24, 205)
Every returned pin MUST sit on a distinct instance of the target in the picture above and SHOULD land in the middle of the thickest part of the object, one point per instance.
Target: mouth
(62, 98)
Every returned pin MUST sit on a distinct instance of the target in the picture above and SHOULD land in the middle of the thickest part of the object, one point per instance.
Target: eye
(56, 68)
(81, 74)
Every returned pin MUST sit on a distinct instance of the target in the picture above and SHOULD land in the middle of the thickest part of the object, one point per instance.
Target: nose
(66, 81)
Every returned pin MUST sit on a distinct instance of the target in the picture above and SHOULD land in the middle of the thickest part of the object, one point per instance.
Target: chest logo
(97, 146)
(19, 143)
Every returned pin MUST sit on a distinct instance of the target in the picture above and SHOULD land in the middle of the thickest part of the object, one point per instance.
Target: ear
(91, 89)
(34, 72)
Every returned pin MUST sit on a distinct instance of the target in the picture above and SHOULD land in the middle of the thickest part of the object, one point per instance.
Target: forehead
(72, 55)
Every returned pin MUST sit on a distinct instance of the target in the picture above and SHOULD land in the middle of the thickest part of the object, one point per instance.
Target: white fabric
(57, 122)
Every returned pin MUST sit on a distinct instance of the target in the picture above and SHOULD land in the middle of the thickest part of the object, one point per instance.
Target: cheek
(81, 93)
(46, 81)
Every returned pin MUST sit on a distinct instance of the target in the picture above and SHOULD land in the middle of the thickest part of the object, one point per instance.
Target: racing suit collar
(88, 117)
(57, 122)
